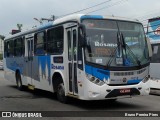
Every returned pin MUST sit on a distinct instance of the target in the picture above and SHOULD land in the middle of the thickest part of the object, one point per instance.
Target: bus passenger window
(5, 49)
(18, 47)
(9, 48)
(39, 43)
(55, 40)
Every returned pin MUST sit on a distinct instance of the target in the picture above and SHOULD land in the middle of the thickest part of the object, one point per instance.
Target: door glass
(29, 49)
(74, 44)
(69, 46)
(72, 57)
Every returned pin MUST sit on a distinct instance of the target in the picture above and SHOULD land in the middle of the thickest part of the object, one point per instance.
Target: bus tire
(19, 82)
(61, 93)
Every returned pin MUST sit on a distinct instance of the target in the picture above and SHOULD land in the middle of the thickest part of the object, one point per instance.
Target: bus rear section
(153, 33)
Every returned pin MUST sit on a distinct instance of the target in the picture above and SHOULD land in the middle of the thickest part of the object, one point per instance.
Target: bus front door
(29, 61)
(72, 58)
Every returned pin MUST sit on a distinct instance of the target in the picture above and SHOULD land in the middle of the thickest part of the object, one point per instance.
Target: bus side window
(5, 49)
(55, 40)
(10, 48)
(80, 56)
(19, 47)
(39, 43)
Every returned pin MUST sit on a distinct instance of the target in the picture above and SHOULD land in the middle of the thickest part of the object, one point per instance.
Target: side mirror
(149, 47)
(82, 35)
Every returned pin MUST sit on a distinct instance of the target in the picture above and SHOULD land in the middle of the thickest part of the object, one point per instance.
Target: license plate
(124, 91)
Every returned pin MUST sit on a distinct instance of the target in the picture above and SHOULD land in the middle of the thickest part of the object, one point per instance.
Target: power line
(150, 13)
(147, 13)
(147, 20)
(87, 8)
(116, 3)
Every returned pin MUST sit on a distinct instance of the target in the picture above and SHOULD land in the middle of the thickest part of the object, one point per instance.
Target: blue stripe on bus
(101, 74)
(91, 16)
(96, 72)
(45, 63)
(13, 65)
(134, 81)
(45, 26)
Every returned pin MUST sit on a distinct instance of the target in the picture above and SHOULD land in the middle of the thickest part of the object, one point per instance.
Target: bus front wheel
(19, 82)
(61, 93)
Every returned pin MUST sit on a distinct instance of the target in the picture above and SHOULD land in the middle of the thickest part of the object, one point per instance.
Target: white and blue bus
(153, 33)
(88, 57)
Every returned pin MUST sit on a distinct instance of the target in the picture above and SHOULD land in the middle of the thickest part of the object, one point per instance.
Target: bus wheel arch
(19, 80)
(58, 87)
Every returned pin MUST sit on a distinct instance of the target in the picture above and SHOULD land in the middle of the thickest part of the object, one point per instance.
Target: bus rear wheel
(19, 82)
(61, 93)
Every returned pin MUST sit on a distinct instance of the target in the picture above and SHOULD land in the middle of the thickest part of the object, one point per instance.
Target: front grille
(123, 73)
(122, 84)
(129, 73)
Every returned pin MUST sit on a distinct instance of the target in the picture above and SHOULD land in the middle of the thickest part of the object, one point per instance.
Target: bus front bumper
(111, 92)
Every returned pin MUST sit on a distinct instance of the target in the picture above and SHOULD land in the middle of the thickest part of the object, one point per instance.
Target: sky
(13, 12)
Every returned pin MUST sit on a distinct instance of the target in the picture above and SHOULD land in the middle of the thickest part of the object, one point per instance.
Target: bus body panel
(40, 70)
(101, 92)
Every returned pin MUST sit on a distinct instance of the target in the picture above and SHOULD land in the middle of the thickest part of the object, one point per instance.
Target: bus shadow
(90, 105)
(103, 105)
(82, 104)
(36, 93)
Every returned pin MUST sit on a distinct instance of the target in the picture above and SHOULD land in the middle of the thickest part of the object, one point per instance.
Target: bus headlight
(95, 80)
(146, 79)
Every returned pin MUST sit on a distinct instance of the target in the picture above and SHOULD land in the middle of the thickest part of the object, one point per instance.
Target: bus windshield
(105, 41)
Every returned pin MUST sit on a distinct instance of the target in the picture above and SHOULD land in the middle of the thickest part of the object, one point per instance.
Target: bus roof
(74, 17)
(79, 17)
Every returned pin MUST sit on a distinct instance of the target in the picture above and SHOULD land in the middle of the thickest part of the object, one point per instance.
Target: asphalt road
(12, 99)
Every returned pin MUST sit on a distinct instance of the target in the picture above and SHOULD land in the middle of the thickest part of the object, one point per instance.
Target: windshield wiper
(125, 46)
(111, 57)
(121, 45)
(117, 48)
